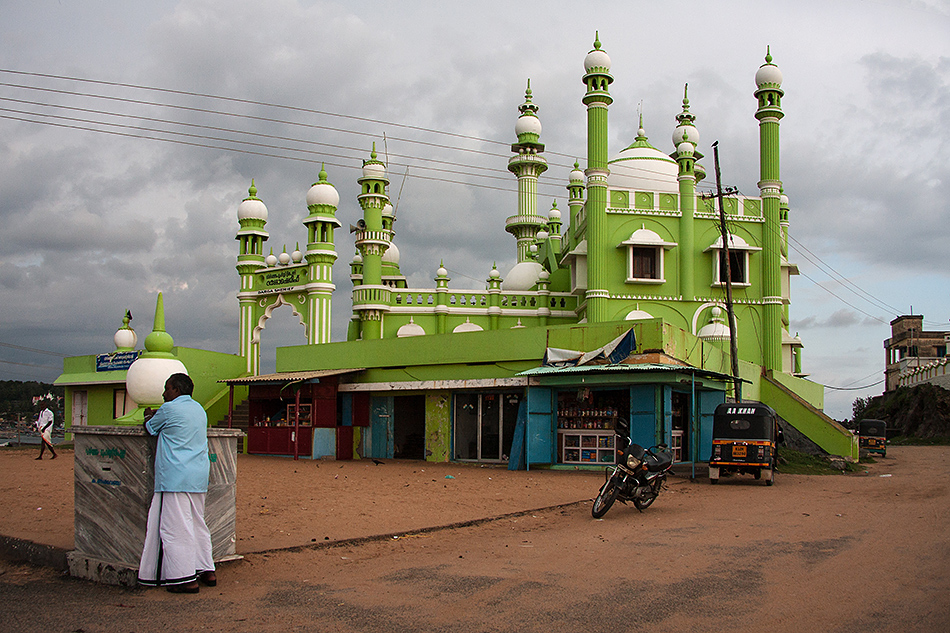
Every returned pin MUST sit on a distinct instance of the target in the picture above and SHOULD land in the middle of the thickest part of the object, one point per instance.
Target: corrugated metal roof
(289, 376)
(621, 368)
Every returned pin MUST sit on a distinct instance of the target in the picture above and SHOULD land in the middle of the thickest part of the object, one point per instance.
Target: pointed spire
(597, 40)
(252, 191)
(768, 54)
(159, 343)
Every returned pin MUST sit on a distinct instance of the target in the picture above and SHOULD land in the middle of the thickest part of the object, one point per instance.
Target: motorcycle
(638, 477)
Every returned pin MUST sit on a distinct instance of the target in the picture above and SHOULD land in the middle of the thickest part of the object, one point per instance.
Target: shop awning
(288, 377)
(623, 368)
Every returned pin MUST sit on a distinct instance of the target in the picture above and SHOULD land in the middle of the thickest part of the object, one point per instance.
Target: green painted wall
(438, 426)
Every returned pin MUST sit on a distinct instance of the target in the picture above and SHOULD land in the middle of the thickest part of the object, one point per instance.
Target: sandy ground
(283, 503)
(862, 552)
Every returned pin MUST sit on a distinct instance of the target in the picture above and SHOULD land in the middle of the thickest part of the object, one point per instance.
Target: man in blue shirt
(177, 552)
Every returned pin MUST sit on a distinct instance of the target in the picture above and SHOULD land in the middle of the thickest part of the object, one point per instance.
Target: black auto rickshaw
(872, 436)
(744, 441)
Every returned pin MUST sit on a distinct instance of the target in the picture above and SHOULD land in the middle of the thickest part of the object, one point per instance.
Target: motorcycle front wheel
(605, 498)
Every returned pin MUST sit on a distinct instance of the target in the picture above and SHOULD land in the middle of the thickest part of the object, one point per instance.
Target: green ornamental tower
(371, 297)
(527, 164)
(768, 80)
(322, 202)
(597, 99)
(685, 140)
(252, 217)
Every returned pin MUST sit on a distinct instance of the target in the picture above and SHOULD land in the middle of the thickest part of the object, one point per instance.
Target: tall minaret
(252, 216)
(322, 201)
(527, 164)
(597, 99)
(371, 297)
(769, 93)
(685, 140)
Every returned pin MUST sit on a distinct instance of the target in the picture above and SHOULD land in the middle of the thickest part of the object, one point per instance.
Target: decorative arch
(301, 314)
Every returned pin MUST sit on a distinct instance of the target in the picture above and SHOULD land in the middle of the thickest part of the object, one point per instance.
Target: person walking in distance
(177, 551)
(44, 424)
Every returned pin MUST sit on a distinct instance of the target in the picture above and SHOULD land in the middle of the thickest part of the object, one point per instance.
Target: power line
(32, 349)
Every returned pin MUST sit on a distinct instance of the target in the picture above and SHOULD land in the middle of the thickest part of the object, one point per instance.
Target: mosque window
(645, 249)
(739, 251)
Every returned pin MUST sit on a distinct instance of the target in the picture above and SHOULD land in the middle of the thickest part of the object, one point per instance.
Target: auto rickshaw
(744, 435)
(872, 437)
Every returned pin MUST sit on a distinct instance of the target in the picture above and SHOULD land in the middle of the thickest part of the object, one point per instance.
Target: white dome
(145, 379)
(684, 132)
(410, 329)
(596, 59)
(523, 276)
(637, 315)
(374, 170)
(125, 338)
(645, 237)
(323, 193)
(357, 259)
(494, 274)
(468, 326)
(577, 174)
(388, 211)
(768, 74)
(528, 123)
(296, 256)
(554, 214)
(271, 260)
(643, 168)
(391, 256)
(284, 258)
(716, 330)
(684, 149)
(542, 235)
(442, 272)
(783, 200)
(252, 209)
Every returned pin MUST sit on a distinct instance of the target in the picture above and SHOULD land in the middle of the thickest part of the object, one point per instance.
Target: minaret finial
(252, 190)
(322, 176)
(686, 95)
(597, 40)
(768, 54)
(373, 153)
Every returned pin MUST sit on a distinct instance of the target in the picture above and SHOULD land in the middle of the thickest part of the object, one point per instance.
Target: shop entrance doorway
(680, 432)
(485, 425)
(409, 427)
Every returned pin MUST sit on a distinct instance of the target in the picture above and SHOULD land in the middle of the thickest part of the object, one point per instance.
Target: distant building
(913, 355)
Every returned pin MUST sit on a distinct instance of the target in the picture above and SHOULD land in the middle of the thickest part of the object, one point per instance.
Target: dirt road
(867, 552)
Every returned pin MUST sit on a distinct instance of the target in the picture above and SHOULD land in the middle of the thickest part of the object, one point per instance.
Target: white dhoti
(177, 540)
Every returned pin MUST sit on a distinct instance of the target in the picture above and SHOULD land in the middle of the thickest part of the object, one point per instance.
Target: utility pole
(730, 313)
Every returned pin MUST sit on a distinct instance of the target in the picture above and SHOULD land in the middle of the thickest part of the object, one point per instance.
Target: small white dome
(768, 74)
(528, 123)
(716, 330)
(468, 326)
(783, 200)
(684, 149)
(597, 59)
(410, 329)
(442, 272)
(643, 168)
(145, 379)
(296, 256)
(637, 315)
(542, 235)
(125, 338)
(554, 214)
(391, 256)
(252, 210)
(388, 211)
(544, 275)
(271, 260)
(357, 259)
(284, 258)
(685, 132)
(523, 276)
(323, 193)
(494, 274)
(374, 170)
(577, 174)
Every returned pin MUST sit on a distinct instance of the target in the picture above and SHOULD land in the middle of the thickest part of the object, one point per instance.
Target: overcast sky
(97, 222)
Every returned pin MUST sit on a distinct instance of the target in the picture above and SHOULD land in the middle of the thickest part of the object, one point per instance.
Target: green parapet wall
(438, 426)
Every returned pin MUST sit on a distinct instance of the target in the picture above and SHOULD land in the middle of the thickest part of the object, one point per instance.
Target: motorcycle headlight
(632, 462)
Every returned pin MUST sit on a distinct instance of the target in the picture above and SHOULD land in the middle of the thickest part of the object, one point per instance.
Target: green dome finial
(768, 54)
(527, 92)
(686, 96)
(159, 343)
(577, 165)
(322, 176)
(373, 153)
(597, 40)
(252, 190)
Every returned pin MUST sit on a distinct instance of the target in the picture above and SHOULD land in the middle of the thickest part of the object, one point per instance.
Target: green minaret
(527, 164)
(597, 99)
(322, 201)
(252, 217)
(768, 80)
(685, 140)
(371, 297)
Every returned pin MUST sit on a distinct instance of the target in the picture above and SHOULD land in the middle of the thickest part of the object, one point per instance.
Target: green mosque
(613, 317)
